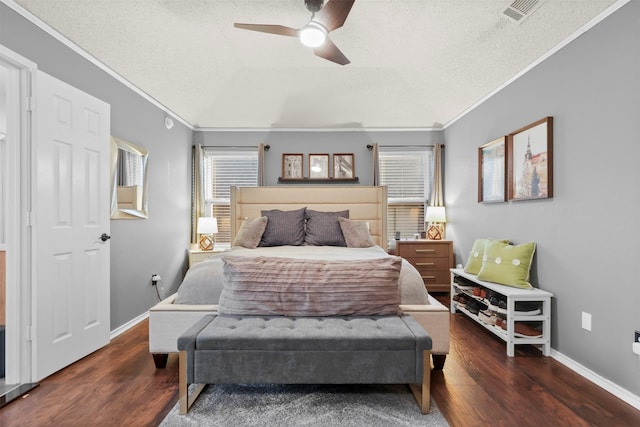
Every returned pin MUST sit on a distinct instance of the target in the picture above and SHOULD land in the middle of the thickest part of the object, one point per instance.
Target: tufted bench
(305, 350)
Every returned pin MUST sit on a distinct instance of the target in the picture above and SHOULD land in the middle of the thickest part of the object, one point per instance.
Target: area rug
(305, 405)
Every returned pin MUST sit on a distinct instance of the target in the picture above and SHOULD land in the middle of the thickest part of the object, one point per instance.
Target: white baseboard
(598, 380)
(130, 324)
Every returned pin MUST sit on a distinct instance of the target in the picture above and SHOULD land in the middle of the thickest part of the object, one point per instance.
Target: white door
(71, 210)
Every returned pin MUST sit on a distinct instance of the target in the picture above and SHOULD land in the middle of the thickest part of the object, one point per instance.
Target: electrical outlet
(586, 321)
(636, 337)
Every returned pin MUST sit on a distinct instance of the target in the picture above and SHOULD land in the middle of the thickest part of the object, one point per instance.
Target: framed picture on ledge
(318, 166)
(492, 168)
(292, 165)
(343, 167)
(530, 164)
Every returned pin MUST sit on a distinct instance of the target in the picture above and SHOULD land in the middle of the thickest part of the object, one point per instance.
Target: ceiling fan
(316, 33)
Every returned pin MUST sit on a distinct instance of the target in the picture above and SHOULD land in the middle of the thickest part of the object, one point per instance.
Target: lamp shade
(436, 214)
(207, 225)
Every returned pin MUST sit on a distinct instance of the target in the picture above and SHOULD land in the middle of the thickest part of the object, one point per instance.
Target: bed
(365, 205)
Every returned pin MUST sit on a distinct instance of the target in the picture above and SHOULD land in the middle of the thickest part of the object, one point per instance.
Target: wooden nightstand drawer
(434, 278)
(432, 259)
(433, 271)
(412, 250)
(430, 264)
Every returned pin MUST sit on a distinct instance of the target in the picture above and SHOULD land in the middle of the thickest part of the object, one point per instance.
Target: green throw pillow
(475, 256)
(507, 264)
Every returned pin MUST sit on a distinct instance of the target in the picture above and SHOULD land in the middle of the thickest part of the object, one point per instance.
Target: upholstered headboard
(364, 203)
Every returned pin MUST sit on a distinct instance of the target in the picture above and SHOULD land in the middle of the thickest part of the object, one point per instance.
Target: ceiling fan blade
(272, 29)
(330, 51)
(334, 13)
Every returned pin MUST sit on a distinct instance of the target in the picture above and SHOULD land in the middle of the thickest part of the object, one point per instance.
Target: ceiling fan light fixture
(313, 34)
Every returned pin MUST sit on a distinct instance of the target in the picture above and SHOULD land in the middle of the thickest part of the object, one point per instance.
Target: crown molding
(316, 130)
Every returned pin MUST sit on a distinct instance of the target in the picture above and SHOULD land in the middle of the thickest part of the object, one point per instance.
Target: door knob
(105, 237)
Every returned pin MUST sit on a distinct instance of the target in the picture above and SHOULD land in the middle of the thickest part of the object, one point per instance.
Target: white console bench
(513, 296)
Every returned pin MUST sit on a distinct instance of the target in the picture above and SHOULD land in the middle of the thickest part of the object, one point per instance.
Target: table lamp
(436, 217)
(207, 227)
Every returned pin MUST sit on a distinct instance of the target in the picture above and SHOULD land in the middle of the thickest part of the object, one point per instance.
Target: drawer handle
(419, 251)
(428, 277)
(425, 264)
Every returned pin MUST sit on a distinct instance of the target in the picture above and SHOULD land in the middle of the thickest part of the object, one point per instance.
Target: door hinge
(30, 104)
(30, 332)
(30, 219)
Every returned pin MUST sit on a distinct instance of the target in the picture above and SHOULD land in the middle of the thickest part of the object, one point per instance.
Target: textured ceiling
(414, 63)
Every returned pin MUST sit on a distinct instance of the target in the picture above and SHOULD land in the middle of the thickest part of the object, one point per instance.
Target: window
(222, 168)
(130, 168)
(406, 172)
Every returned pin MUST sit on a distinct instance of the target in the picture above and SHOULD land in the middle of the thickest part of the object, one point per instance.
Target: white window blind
(407, 174)
(131, 169)
(222, 168)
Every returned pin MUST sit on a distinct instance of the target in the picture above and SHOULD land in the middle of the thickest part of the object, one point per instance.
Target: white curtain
(437, 194)
(376, 165)
(261, 152)
(197, 199)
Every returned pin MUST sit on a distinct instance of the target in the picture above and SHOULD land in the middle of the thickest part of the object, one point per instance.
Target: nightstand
(432, 259)
(196, 255)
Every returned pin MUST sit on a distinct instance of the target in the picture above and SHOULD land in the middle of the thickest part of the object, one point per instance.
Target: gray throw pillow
(284, 228)
(250, 232)
(323, 228)
(356, 233)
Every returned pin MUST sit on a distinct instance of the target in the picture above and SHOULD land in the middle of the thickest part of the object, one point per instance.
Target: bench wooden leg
(185, 400)
(422, 392)
(160, 360)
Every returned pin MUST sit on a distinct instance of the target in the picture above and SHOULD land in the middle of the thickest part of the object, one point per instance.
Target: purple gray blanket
(306, 287)
(204, 282)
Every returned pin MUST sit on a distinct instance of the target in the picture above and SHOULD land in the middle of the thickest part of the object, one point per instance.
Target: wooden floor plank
(480, 385)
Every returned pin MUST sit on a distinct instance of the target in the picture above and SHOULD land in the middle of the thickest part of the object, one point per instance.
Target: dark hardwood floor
(479, 386)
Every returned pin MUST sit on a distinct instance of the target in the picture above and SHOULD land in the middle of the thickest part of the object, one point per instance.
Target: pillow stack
(303, 227)
(474, 263)
(498, 261)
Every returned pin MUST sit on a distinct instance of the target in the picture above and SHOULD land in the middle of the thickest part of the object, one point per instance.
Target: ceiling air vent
(521, 9)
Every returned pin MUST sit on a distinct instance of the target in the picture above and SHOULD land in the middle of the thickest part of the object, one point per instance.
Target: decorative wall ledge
(282, 180)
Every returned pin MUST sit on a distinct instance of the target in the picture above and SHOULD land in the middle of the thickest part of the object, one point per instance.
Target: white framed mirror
(128, 180)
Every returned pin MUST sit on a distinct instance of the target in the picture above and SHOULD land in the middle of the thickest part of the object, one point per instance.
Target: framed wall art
(492, 169)
(292, 165)
(318, 166)
(530, 161)
(343, 167)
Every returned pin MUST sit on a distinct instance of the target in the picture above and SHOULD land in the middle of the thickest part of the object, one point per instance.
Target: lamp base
(435, 231)
(206, 243)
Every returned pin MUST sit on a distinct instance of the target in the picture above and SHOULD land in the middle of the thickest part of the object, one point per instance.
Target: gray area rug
(305, 405)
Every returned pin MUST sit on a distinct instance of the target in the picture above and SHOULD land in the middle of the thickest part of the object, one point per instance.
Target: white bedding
(203, 282)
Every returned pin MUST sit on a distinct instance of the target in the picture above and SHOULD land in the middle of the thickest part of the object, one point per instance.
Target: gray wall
(586, 234)
(318, 142)
(139, 248)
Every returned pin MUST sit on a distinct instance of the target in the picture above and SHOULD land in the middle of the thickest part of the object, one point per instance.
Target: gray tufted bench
(305, 350)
